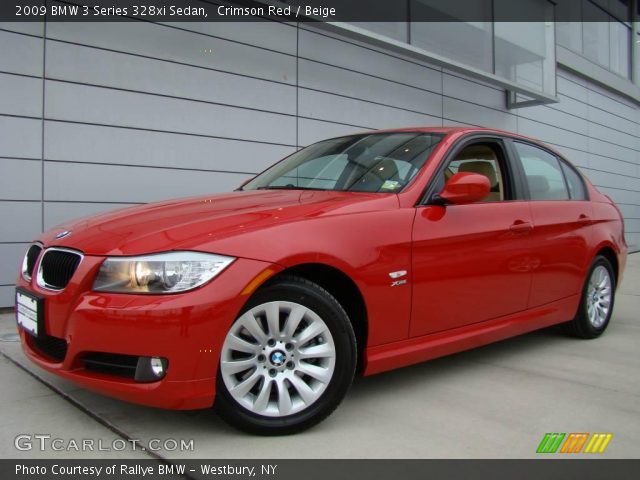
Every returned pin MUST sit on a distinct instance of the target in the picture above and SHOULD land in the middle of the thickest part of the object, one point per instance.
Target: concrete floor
(494, 402)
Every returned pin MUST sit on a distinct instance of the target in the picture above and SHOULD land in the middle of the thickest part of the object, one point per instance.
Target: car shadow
(494, 353)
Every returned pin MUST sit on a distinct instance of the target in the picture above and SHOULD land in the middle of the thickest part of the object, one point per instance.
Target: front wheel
(287, 361)
(596, 304)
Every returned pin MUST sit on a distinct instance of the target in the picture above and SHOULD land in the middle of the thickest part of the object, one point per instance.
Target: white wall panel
(10, 258)
(21, 53)
(20, 221)
(160, 41)
(324, 106)
(20, 179)
(551, 134)
(7, 293)
(114, 183)
(30, 28)
(20, 137)
(56, 213)
(555, 118)
(605, 102)
(310, 131)
(614, 166)
(20, 96)
(365, 87)
(347, 55)
(125, 146)
(86, 104)
(463, 89)
(622, 196)
(569, 105)
(577, 157)
(118, 70)
(573, 87)
(611, 150)
(611, 135)
(602, 117)
(473, 114)
(277, 36)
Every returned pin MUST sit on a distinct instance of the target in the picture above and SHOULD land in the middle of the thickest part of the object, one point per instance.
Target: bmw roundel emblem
(63, 234)
(277, 358)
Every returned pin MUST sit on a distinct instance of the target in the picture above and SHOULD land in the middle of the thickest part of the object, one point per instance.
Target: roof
(445, 130)
(449, 130)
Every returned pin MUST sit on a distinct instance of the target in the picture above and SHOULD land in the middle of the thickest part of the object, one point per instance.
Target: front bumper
(187, 329)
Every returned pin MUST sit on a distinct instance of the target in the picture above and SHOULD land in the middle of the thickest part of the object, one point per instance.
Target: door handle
(584, 219)
(521, 227)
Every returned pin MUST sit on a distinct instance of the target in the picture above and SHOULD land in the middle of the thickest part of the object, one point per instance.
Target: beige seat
(486, 169)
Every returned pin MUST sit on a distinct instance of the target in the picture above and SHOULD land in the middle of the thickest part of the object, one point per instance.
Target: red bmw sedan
(355, 255)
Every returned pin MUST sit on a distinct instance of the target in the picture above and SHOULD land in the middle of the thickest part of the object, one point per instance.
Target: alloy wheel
(278, 358)
(599, 292)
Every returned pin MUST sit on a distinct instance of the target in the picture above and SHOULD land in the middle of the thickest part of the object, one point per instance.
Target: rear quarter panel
(608, 231)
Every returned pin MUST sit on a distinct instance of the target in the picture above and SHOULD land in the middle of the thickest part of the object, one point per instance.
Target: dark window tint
(543, 172)
(574, 182)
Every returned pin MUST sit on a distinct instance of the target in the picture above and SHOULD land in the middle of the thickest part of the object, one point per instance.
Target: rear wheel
(287, 361)
(596, 304)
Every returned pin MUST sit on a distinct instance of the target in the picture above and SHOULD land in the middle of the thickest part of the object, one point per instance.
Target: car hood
(196, 223)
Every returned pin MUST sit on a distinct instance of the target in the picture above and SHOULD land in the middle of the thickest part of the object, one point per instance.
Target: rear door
(470, 263)
(561, 214)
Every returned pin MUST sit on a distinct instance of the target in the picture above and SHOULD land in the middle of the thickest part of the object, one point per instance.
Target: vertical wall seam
(297, 84)
(441, 96)
(516, 112)
(44, 62)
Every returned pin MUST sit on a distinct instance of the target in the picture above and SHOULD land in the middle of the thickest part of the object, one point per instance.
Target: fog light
(157, 366)
(151, 369)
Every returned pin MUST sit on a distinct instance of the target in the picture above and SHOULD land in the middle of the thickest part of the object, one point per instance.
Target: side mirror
(463, 188)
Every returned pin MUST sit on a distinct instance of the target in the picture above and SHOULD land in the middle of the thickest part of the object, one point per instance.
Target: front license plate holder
(29, 312)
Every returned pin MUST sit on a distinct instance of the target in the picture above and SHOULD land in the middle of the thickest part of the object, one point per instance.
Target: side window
(544, 175)
(482, 159)
(576, 186)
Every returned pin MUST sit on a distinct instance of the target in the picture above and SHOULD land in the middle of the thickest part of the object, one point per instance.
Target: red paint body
(477, 273)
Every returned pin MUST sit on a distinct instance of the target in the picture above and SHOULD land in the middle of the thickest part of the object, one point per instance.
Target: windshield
(378, 162)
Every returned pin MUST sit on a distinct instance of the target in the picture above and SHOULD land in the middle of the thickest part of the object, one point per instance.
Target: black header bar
(308, 10)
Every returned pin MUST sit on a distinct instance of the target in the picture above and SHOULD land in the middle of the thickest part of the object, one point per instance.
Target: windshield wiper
(289, 187)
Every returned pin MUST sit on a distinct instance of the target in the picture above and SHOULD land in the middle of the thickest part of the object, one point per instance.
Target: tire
(596, 303)
(287, 361)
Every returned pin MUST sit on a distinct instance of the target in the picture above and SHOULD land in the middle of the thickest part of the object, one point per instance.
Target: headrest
(537, 184)
(483, 168)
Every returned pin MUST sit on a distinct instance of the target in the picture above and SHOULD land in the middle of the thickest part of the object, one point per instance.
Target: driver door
(471, 262)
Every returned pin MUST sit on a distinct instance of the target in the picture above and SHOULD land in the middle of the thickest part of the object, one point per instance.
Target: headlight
(169, 272)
